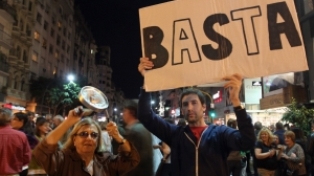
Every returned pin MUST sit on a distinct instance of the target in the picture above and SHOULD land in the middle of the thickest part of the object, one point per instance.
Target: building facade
(104, 75)
(7, 19)
(19, 54)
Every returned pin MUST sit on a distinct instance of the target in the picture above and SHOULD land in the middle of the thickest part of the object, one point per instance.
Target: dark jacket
(68, 162)
(210, 155)
(141, 138)
(281, 136)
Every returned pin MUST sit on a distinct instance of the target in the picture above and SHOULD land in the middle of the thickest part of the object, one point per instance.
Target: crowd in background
(279, 151)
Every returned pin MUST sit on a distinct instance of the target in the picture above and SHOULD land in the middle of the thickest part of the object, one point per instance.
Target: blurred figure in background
(181, 122)
(137, 134)
(293, 156)
(15, 151)
(237, 159)
(280, 131)
(41, 130)
(266, 157)
(56, 121)
(105, 136)
(164, 168)
(302, 141)
(20, 121)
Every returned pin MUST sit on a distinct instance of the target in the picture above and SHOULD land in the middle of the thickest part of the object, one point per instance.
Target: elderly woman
(83, 152)
(294, 156)
(265, 153)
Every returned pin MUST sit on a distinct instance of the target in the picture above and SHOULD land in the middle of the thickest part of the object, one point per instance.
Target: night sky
(116, 23)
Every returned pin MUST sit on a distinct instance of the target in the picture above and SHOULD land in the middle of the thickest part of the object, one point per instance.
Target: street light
(71, 78)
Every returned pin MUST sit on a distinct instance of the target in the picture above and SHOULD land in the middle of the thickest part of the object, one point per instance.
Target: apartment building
(52, 39)
(18, 56)
(105, 75)
(7, 19)
(85, 49)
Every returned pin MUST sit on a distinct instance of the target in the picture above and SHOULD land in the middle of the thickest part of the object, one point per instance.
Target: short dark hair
(27, 127)
(21, 116)
(258, 125)
(181, 122)
(197, 92)
(232, 123)
(131, 106)
(279, 126)
(39, 122)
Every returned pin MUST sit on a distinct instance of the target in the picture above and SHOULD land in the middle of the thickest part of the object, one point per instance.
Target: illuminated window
(54, 70)
(35, 56)
(44, 43)
(59, 25)
(36, 36)
(56, 54)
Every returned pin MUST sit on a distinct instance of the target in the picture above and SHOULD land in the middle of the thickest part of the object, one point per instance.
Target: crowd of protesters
(81, 146)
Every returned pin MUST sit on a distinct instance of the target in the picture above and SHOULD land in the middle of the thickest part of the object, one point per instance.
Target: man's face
(192, 108)
(126, 115)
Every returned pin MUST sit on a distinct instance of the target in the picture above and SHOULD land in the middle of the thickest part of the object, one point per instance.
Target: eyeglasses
(85, 134)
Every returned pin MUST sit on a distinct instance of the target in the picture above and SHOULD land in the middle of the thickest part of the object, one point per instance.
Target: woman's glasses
(85, 134)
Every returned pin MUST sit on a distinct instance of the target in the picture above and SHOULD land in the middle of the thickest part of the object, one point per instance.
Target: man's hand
(234, 86)
(145, 64)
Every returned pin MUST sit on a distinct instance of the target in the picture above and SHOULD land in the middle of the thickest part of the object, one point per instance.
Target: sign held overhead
(199, 42)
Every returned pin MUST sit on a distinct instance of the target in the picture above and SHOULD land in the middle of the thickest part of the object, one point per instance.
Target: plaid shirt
(14, 151)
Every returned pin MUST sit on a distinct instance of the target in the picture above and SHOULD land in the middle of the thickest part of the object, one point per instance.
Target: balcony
(23, 36)
(16, 93)
(29, 41)
(5, 40)
(5, 7)
(12, 56)
(30, 14)
(16, 31)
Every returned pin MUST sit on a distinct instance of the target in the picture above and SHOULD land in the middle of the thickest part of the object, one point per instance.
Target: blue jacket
(208, 157)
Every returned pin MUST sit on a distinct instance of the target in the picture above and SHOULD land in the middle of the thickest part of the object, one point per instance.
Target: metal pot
(93, 99)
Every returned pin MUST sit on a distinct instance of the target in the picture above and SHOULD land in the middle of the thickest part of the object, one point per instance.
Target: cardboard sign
(199, 42)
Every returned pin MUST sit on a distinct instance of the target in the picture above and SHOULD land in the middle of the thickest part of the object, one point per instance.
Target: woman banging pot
(83, 153)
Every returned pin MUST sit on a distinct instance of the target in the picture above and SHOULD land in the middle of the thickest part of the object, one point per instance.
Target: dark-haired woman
(20, 122)
(41, 130)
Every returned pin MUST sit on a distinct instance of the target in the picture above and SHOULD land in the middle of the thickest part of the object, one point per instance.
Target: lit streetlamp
(70, 78)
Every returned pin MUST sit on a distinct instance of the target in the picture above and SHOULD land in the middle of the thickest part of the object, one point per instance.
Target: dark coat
(190, 158)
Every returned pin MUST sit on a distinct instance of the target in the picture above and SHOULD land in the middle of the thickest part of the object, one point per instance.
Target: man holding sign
(198, 149)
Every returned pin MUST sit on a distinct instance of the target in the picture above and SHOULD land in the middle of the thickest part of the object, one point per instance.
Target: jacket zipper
(196, 150)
